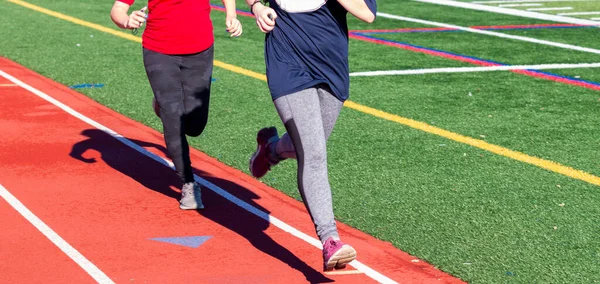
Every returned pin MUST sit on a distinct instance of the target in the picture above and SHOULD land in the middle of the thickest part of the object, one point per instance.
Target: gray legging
(309, 117)
(181, 86)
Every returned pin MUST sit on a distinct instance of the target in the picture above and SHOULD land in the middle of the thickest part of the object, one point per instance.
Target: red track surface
(107, 200)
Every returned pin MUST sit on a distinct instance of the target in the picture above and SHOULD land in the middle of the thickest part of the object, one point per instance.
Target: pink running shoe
(259, 162)
(337, 254)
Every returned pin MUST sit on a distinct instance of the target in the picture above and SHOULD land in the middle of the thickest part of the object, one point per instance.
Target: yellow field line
(76, 21)
(545, 164)
(125, 35)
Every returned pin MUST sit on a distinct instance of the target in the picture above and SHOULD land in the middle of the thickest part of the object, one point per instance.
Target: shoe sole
(341, 258)
(252, 159)
(182, 207)
(257, 153)
(196, 206)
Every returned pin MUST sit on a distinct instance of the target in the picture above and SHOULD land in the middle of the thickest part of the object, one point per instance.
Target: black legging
(181, 86)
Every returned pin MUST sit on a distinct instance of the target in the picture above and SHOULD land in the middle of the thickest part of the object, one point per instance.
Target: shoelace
(332, 243)
(188, 189)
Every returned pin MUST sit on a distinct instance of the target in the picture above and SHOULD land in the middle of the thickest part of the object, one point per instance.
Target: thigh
(164, 76)
(330, 108)
(196, 74)
(301, 114)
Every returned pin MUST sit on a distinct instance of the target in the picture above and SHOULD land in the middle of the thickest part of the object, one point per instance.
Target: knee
(315, 159)
(195, 128)
(196, 120)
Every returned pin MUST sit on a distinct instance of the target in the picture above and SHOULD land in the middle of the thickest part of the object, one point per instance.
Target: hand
(136, 19)
(234, 27)
(265, 17)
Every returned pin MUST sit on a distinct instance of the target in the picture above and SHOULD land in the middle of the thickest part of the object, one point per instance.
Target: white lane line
(525, 1)
(579, 13)
(551, 9)
(69, 250)
(343, 272)
(513, 12)
(474, 69)
(491, 33)
(259, 213)
(520, 5)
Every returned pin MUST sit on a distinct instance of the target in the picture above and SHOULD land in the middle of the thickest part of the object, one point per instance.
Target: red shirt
(177, 26)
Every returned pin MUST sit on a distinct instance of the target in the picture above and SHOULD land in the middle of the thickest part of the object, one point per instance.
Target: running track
(107, 200)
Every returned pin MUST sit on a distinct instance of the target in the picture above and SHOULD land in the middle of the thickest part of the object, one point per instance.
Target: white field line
(380, 278)
(474, 69)
(551, 9)
(520, 5)
(343, 272)
(492, 33)
(69, 250)
(525, 1)
(513, 12)
(579, 13)
(595, 19)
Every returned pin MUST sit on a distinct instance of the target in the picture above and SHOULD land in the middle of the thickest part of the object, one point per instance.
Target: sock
(273, 157)
(334, 237)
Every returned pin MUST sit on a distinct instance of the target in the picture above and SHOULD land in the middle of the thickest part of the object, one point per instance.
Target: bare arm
(229, 8)
(233, 24)
(118, 14)
(359, 9)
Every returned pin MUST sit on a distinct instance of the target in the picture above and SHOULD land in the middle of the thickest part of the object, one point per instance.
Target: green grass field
(564, 7)
(479, 216)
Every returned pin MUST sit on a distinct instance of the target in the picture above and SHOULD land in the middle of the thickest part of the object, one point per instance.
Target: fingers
(139, 14)
(265, 26)
(137, 18)
(231, 23)
(266, 20)
(133, 23)
(237, 29)
(269, 17)
(258, 23)
(234, 27)
(237, 32)
(272, 15)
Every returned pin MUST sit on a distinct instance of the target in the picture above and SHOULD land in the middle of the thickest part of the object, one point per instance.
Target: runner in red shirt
(178, 57)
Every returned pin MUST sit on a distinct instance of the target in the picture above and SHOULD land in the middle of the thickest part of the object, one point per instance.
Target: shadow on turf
(157, 177)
